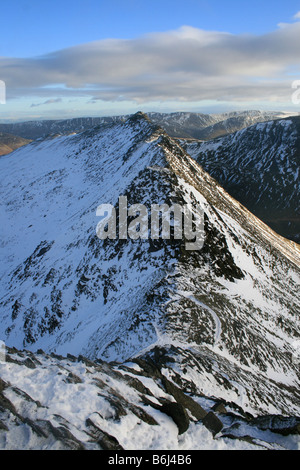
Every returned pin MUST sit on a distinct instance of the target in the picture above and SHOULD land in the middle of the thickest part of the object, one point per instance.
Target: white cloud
(183, 65)
(297, 16)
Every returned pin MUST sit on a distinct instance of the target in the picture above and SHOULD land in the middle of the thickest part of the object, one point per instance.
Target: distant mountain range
(180, 124)
(40, 129)
(209, 126)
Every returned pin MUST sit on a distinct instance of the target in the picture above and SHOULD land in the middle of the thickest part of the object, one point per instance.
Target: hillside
(9, 143)
(259, 166)
(220, 322)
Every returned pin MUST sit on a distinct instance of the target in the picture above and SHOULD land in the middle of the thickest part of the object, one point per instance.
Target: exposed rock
(212, 422)
(119, 398)
(148, 367)
(105, 440)
(187, 402)
(178, 413)
(29, 363)
(230, 308)
(3, 426)
(263, 160)
(73, 378)
(278, 424)
(6, 404)
(61, 434)
(219, 408)
(137, 385)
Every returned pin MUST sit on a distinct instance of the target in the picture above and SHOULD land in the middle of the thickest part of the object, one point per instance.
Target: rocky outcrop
(74, 403)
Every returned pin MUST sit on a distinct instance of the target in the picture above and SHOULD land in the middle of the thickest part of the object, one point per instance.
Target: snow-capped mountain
(259, 166)
(42, 128)
(179, 124)
(209, 126)
(221, 322)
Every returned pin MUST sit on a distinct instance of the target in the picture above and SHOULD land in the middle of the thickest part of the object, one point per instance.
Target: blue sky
(49, 49)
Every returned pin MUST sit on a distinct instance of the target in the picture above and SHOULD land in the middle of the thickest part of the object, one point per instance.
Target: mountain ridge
(177, 124)
(220, 322)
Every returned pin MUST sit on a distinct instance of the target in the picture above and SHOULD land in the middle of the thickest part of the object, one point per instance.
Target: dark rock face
(105, 440)
(187, 402)
(278, 424)
(212, 422)
(258, 166)
(179, 415)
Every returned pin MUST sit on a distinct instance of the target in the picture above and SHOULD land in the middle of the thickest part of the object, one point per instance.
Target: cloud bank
(50, 101)
(187, 64)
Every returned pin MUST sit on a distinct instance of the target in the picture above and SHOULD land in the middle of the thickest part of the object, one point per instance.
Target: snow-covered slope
(236, 121)
(259, 166)
(49, 402)
(226, 316)
(209, 126)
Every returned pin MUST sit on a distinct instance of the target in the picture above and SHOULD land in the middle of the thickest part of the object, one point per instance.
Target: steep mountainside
(223, 321)
(259, 166)
(209, 126)
(9, 142)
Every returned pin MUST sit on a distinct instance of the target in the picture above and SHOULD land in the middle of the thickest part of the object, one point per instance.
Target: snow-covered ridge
(229, 312)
